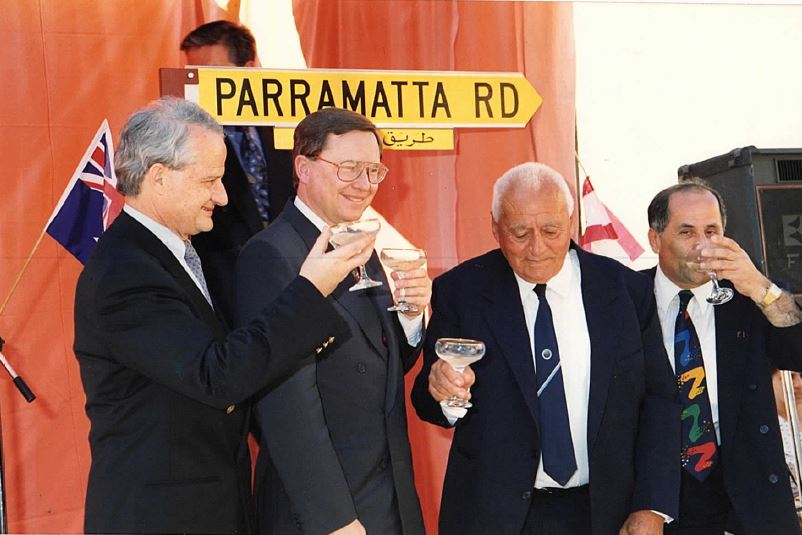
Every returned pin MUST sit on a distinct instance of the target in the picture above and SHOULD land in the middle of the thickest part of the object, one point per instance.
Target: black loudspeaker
(762, 190)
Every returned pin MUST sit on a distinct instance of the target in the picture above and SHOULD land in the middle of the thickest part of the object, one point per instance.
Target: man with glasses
(335, 457)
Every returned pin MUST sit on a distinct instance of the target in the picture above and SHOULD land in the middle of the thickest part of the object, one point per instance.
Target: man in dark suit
(257, 178)
(165, 382)
(573, 419)
(734, 472)
(335, 455)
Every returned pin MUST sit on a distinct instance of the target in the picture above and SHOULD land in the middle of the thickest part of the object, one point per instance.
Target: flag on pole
(90, 201)
(603, 229)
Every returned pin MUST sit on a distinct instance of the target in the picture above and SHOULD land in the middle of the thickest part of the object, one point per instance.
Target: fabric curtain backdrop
(68, 64)
(440, 200)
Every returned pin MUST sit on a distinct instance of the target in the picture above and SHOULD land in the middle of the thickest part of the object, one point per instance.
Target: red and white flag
(604, 233)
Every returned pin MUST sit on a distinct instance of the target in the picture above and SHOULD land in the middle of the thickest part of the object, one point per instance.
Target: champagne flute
(403, 260)
(719, 295)
(347, 232)
(459, 352)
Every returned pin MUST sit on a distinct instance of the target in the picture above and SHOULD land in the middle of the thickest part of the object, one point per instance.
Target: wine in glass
(346, 233)
(403, 260)
(459, 352)
(719, 295)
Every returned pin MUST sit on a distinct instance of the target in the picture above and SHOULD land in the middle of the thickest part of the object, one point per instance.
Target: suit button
(773, 478)
(230, 409)
(764, 429)
(752, 387)
(526, 495)
(361, 368)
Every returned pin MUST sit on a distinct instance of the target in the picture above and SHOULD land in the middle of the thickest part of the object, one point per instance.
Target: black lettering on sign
(440, 101)
(508, 88)
(399, 95)
(232, 90)
(482, 92)
(299, 92)
(380, 100)
(354, 101)
(326, 97)
(270, 94)
(246, 98)
(420, 86)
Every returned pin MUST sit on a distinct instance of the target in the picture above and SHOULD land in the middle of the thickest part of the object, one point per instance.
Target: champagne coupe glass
(459, 352)
(347, 232)
(719, 295)
(403, 260)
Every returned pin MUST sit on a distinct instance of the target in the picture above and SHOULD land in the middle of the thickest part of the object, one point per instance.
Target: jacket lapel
(731, 352)
(599, 302)
(511, 339)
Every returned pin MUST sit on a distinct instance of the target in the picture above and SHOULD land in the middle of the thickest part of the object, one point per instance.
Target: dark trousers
(703, 507)
(559, 512)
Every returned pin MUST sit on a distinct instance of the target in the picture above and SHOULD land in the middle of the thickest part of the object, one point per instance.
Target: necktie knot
(684, 298)
(194, 263)
(540, 290)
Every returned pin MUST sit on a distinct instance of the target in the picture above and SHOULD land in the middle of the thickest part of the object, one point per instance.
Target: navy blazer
(165, 387)
(751, 455)
(333, 433)
(236, 222)
(633, 418)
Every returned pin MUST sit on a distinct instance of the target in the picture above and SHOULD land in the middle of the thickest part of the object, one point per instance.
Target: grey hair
(534, 175)
(157, 133)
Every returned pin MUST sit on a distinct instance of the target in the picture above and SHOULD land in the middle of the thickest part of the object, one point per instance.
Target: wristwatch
(772, 294)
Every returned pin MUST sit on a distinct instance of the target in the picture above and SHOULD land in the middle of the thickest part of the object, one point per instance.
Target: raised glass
(347, 232)
(403, 260)
(719, 295)
(459, 352)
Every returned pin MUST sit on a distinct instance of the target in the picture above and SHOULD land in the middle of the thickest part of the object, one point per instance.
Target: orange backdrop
(68, 64)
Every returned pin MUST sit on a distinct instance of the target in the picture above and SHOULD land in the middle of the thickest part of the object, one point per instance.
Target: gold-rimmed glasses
(350, 170)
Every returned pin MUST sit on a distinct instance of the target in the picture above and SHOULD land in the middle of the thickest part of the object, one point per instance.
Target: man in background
(258, 177)
(166, 383)
(734, 473)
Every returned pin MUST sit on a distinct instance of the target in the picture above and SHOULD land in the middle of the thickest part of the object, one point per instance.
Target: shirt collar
(665, 292)
(309, 214)
(170, 239)
(562, 283)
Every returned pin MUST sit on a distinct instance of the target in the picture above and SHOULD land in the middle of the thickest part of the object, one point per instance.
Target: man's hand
(326, 270)
(446, 382)
(730, 262)
(354, 528)
(414, 287)
(643, 523)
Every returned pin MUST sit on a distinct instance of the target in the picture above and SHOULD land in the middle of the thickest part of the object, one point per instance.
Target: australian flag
(90, 201)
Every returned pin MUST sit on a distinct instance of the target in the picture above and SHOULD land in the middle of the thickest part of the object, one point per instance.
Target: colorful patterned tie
(254, 162)
(194, 262)
(556, 444)
(699, 451)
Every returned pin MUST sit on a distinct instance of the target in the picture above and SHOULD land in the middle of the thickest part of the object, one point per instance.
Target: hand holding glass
(346, 233)
(459, 352)
(719, 295)
(403, 260)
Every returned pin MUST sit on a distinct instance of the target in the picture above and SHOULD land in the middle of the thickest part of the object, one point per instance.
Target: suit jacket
(235, 223)
(633, 418)
(165, 386)
(334, 433)
(752, 460)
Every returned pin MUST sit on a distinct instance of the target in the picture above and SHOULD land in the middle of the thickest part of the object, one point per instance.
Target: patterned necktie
(194, 262)
(699, 452)
(556, 444)
(254, 162)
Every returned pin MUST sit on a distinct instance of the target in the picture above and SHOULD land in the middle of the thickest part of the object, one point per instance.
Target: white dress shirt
(564, 294)
(170, 239)
(703, 317)
(413, 328)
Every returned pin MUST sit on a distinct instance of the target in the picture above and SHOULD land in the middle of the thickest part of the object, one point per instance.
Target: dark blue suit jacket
(334, 433)
(633, 418)
(751, 456)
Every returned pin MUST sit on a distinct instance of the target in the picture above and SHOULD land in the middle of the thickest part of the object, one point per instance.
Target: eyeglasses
(350, 170)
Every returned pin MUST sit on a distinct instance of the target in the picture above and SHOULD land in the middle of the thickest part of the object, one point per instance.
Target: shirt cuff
(666, 518)
(413, 328)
